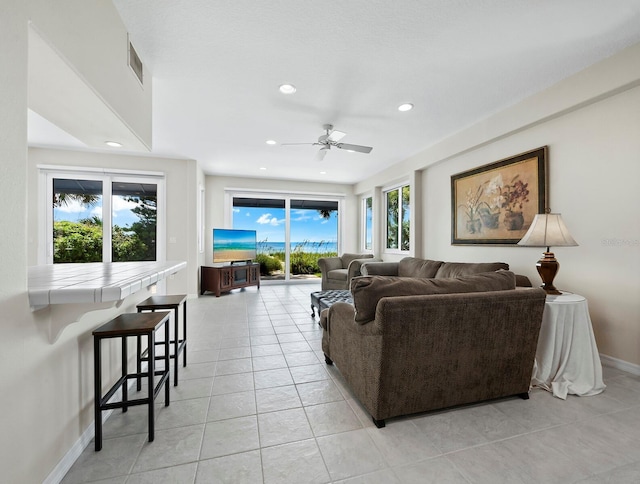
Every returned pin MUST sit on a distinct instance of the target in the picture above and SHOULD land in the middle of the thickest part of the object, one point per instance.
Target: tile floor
(257, 404)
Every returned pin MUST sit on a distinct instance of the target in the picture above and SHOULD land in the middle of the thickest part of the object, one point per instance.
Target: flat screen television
(231, 245)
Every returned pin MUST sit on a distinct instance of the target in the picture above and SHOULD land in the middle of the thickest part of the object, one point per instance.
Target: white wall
(590, 122)
(47, 383)
(19, 431)
(594, 181)
(201, 211)
(215, 200)
(101, 64)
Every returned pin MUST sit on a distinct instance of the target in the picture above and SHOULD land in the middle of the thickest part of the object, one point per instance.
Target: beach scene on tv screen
(233, 245)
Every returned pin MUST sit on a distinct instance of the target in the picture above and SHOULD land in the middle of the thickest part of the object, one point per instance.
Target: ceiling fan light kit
(331, 138)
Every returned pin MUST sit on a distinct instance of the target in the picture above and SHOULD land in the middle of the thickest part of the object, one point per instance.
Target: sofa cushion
(338, 274)
(458, 269)
(413, 267)
(368, 290)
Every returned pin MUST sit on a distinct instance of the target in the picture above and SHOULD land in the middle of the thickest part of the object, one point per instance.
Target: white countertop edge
(61, 283)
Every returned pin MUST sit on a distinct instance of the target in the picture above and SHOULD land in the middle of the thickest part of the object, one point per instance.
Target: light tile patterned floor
(257, 404)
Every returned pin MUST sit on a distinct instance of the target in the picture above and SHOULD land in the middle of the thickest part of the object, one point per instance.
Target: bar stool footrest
(181, 344)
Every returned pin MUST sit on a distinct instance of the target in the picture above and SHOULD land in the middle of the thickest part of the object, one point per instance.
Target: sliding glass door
(267, 216)
(292, 233)
(314, 234)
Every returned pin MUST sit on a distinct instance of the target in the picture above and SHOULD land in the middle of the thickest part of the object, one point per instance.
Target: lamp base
(547, 268)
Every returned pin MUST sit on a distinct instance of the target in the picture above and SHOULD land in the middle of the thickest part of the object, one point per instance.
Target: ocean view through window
(292, 233)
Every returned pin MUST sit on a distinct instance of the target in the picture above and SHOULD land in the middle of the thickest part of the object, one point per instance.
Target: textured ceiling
(217, 65)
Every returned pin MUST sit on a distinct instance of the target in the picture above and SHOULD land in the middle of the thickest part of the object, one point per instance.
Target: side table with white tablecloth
(567, 359)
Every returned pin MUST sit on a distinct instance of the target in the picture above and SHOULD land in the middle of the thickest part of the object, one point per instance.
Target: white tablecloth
(567, 359)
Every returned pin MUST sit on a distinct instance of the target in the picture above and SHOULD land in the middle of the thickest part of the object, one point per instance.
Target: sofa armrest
(355, 267)
(327, 264)
(342, 338)
(523, 281)
(379, 268)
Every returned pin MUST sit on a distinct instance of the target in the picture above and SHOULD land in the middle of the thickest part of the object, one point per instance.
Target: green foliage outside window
(138, 242)
(406, 221)
(77, 241)
(392, 219)
(398, 218)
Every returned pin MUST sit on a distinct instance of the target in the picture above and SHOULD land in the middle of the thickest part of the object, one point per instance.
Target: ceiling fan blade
(336, 135)
(322, 152)
(293, 144)
(358, 148)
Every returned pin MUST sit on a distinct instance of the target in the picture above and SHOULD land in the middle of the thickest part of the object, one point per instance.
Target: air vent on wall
(135, 63)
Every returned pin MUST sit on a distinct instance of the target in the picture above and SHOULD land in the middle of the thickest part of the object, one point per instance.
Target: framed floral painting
(496, 203)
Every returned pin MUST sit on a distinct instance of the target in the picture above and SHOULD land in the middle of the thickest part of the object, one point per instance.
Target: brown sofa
(410, 345)
(426, 268)
(337, 272)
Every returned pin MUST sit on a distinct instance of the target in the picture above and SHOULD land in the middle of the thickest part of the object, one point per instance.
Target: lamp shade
(548, 230)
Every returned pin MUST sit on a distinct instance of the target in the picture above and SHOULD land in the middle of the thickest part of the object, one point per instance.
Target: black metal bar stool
(155, 303)
(124, 326)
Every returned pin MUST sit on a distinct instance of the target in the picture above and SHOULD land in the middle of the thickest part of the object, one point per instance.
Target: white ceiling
(217, 65)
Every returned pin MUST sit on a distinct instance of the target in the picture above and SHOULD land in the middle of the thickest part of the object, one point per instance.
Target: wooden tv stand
(223, 279)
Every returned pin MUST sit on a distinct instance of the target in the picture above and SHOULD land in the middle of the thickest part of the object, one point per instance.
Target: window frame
(363, 207)
(397, 187)
(107, 176)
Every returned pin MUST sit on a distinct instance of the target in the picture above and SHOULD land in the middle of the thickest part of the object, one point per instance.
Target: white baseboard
(76, 450)
(620, 364)
(59, 471)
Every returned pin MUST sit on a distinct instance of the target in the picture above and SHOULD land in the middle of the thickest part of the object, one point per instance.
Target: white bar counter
(94, 282)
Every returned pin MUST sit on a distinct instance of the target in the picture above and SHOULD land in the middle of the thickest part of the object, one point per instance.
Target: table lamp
(547, 230)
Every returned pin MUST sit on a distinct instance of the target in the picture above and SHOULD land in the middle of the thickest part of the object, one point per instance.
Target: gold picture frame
(496, 203)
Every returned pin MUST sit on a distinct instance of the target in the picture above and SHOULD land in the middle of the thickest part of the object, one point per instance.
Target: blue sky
(270, 224)
(74, 211)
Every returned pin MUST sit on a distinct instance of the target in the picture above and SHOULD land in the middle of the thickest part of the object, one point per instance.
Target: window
(77, 220)
(367, 210)
(134, 215)
(98, 217)
(398, 210)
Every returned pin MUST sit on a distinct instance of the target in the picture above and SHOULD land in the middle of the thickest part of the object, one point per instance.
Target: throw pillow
(413, 267)
(458, 269)
(368, 290)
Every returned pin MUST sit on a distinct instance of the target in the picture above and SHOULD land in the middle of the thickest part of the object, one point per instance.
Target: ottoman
(324, 299)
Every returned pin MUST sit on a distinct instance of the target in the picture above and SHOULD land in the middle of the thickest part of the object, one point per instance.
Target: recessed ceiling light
(263, 168)
(287, 89)
(405, 107)
(323, 172)
(271, 142)
(113, 144)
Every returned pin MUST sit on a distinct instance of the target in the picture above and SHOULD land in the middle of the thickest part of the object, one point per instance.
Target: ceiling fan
(330, 139)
